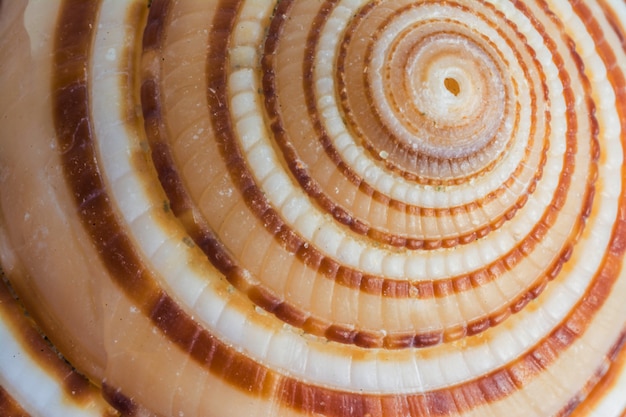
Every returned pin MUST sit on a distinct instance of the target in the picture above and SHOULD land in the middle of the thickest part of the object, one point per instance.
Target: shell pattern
(312, 208)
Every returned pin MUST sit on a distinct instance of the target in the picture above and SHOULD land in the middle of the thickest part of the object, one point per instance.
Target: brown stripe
(315, 191)
(434, 244)
(387, 133)
(37, 347)
(410, 210)
(153, 31)
(397, 145)
(72, 120)
(603, 382)
(127, 407)
(76, 140)
(501, 382)
(183, 207)
(399, 288)
(618, 247)
(226, 362)
(616, 24)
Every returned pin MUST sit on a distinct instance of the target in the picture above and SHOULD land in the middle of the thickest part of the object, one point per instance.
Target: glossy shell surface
(312, 208)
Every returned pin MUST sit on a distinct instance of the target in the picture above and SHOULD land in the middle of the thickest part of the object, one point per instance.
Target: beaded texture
(312, 208)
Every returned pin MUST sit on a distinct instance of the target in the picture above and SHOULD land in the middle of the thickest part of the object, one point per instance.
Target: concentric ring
(338, 208)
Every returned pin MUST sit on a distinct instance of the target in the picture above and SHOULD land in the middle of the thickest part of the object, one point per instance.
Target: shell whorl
(343, 207)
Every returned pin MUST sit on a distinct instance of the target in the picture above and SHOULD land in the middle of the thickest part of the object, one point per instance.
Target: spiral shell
(295, 207)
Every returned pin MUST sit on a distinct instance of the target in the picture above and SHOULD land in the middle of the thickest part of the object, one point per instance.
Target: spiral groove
(343, 207)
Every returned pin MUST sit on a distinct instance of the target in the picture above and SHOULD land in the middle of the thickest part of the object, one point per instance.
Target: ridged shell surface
(312, 208)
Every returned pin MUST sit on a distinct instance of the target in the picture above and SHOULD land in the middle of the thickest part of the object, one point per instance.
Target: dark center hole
(452, 86)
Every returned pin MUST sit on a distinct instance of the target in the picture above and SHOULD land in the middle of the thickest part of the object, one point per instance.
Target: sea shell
(297, 207)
